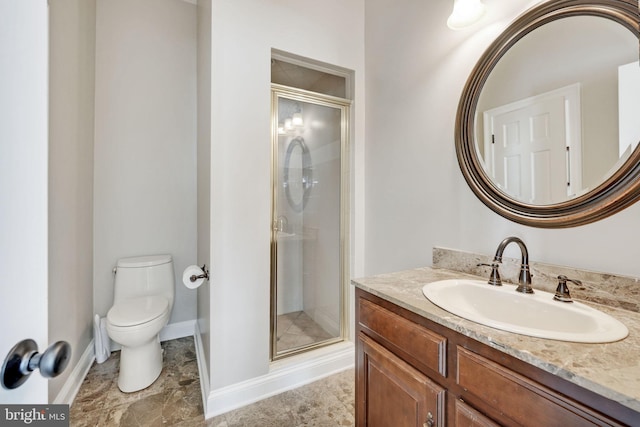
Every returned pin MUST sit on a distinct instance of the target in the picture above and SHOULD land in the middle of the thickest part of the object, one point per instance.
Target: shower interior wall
(309, 271)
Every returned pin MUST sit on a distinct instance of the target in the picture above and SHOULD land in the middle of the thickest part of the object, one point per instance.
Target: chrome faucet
(524, 279)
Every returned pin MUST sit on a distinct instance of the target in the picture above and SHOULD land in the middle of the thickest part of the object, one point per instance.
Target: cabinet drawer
(466, 416)
(427, 347)
(519, 398)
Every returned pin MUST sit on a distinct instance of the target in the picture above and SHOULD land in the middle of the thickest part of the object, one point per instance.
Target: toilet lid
(136, 311)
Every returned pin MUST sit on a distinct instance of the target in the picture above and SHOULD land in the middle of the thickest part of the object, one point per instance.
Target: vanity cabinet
(411, 371)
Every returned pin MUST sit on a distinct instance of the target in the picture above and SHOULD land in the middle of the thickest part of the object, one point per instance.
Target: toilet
(143, 298)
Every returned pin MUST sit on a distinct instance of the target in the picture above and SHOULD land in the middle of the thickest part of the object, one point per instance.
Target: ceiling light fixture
(288, 124)
(296, 119)
(465, 13)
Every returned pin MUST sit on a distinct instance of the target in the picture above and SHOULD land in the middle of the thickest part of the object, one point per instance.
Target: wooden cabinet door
(391, 393)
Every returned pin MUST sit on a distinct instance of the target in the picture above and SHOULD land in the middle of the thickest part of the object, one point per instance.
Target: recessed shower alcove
(309, 254)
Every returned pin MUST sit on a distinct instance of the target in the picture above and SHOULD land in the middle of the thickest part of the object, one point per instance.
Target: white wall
(71, 88)
(322, 291)
(309, 266)
(204, 172)
(416, 196)
(243, 34)
(145, 140)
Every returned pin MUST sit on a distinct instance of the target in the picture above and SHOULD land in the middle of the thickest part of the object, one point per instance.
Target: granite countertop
(611, 370)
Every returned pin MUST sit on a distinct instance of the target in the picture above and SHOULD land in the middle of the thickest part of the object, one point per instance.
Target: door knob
(24, 358)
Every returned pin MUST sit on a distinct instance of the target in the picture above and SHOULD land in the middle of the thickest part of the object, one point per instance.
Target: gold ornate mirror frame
(617, 192)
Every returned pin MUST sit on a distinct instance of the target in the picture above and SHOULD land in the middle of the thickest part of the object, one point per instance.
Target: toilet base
(140, 366)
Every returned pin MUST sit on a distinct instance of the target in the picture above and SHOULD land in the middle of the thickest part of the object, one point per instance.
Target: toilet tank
(145, 276)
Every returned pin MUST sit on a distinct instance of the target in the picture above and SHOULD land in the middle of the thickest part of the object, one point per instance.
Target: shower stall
(309, 258)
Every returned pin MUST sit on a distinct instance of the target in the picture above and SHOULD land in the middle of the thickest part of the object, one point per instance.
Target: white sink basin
(536, 315)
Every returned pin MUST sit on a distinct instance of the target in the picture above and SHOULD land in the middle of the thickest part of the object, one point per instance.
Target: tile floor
(297, 329)
(175, 399)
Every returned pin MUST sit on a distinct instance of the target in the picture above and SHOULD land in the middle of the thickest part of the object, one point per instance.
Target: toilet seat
(137, 311)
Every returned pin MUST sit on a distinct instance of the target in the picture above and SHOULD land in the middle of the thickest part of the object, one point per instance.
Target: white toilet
(143, 298)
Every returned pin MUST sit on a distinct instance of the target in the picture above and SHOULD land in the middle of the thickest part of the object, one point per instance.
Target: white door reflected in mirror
(533, 147)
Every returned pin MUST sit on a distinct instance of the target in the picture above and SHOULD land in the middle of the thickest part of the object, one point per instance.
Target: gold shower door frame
(343, 105)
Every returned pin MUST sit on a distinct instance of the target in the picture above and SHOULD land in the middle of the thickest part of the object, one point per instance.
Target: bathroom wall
(71, 86)
(322, 291)
(243, 34)
(204, 171)
(309, 266)
(416, 197)
(145, 140)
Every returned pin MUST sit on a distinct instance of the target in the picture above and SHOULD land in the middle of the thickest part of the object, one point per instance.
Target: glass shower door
(308, 272)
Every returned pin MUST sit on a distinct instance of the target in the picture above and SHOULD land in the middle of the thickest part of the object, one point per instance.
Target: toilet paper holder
(204, 275)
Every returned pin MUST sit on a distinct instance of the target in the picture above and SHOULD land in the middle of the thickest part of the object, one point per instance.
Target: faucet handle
(562, 291)
(494, 278)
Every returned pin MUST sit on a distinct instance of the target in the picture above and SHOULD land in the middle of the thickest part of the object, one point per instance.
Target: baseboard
(202, 366)
(285, 375)
(178, 330)
(71, 386)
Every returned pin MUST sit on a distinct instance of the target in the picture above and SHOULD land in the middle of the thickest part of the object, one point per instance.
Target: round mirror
(547, 127)
(297, 180)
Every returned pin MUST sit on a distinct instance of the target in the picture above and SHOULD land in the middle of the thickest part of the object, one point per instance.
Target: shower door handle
(24, 358)
(280, 224)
